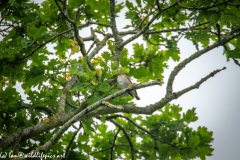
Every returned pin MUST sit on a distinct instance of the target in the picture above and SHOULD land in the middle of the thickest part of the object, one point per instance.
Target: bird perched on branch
(124, 82)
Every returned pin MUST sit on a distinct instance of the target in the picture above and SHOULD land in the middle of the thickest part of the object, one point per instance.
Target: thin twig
(127, 136)
(74, 107)
(236, 62)
(72, 139)
(113, 143)
(197, 54)
(143, 129)
(144, 29)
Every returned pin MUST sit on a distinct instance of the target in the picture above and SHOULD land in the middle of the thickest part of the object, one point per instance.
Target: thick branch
(149, 109)
(79, 40)
(65, 91)
(47, 124)
(29, 132)
(59, 120)
(118, 39)
(90, 108)
(113, 21)
(100, 45)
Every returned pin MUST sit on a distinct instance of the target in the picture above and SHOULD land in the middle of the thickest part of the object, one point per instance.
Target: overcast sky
(216, 101)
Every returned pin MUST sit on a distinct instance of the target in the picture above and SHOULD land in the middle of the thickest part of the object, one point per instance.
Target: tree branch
(75, 28)
(63, 12)
(143, 129)
(113, 25)
(90, 108)
(3, 4)
(158, 6)
(181, 65)
(204, 8)
(100, 44)
(113, 143)
(127, 137)
(143, 30)
(29, 132)
(236, 62)
(70, 143)
(62, 119)
(107, 104)
(197, 85)
(149, 109)
(118, 39)
(65, 91)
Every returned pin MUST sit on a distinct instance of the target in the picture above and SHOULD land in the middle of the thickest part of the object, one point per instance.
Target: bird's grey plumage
(124, 82)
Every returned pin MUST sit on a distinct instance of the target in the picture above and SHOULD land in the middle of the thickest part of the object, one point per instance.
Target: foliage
(75, 81)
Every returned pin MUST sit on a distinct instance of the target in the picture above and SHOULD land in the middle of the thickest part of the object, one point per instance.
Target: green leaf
(193, 140)
(139, 3)
(88, 125)
(233, 53)
(129, 5)
(235, 11)
(190, 115)
(174, 54)
(96, 97)
(87, 69)
(214, 18)
(140, 72)
(114, 64)
(104, 87)
(106, 56)
(124, 59)
(139, 51)
(206, 136)
(54, 92)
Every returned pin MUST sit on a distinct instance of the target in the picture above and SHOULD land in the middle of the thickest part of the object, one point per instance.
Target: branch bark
(118, 39)
(149, 109)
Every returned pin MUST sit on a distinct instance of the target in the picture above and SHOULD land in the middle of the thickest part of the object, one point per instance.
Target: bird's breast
(122, 83)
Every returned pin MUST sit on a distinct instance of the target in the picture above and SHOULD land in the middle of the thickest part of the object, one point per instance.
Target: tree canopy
(69, 79)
